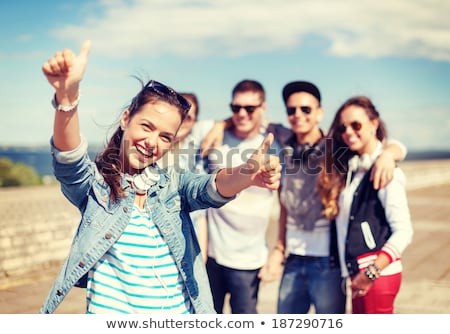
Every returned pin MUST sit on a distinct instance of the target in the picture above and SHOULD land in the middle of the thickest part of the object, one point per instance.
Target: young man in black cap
(311, 274)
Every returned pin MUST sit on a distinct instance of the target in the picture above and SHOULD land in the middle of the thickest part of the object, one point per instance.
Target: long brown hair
(108, 162)
(335, 167)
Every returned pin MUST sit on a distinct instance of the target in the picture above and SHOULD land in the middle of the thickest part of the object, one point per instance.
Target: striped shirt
(138, 274)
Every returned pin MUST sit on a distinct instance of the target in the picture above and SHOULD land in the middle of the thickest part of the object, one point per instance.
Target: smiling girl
(373, 226)
(135, 249)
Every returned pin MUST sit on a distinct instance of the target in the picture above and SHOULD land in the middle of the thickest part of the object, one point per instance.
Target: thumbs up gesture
(261, 170)
(264, 168)
(65, 70)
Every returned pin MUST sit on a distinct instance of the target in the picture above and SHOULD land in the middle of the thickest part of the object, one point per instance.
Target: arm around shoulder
(384, 167)
(397, 149)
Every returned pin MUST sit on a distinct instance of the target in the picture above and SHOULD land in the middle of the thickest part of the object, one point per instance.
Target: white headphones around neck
(143, 181)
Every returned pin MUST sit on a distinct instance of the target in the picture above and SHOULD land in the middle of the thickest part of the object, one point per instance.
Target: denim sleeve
(67, 157)
(214, 193)
(75, 171)
(201, 191)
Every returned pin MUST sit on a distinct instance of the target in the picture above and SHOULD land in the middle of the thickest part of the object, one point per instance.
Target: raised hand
(65, 70)
(261, 170)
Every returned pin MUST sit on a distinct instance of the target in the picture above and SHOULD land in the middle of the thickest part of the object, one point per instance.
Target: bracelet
(370, 274)
(375, 266)
(65, 108)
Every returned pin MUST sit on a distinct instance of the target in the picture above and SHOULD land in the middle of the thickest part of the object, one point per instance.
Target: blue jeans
(307, 281)
(243, 286)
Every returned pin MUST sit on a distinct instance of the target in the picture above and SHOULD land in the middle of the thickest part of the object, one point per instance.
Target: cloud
(411, 28)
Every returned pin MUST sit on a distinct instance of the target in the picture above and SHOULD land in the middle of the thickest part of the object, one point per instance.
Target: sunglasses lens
(341, 129)
(235, 108)
(306, 110)
(249, 109)
(356, 126)
(291, 110)
(184, 103)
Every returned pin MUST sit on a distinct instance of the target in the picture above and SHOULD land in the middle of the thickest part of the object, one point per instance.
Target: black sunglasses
(164, 90)
(305, 109)
(249, 109)
(356, 126)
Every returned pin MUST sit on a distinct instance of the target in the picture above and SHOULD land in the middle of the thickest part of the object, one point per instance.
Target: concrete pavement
(426, 278)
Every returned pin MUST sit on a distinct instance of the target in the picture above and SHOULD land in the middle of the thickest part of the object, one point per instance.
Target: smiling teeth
(141, 151)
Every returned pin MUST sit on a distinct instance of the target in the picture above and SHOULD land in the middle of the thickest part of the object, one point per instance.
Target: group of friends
(175, 210)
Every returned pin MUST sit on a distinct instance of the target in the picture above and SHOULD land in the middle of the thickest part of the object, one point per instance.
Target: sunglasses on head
(356, 126)
(164, 90)
(305, 109)
(235, 108)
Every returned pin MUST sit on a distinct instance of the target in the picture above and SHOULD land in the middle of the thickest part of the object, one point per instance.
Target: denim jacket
(103, 221)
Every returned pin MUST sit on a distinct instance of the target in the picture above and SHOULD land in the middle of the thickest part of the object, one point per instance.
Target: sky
(395, 52)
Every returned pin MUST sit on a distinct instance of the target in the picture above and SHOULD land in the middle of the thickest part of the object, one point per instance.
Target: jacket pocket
(173, 203)
(368, 236)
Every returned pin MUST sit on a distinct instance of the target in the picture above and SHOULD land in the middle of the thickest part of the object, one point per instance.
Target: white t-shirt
(237, 230)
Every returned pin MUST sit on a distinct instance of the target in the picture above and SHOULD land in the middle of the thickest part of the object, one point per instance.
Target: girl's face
(148, 135)
(358, 131)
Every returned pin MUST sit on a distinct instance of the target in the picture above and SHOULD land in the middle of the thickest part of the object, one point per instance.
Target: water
(41, 160)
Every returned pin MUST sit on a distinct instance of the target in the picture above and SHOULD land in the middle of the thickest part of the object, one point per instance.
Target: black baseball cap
(301, 86)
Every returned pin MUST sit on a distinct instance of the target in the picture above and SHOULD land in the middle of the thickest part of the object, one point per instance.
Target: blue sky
(395, 52)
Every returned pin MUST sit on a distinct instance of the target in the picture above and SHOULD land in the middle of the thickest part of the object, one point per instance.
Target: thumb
(265, 145)
(263, 151)
(85, 49)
